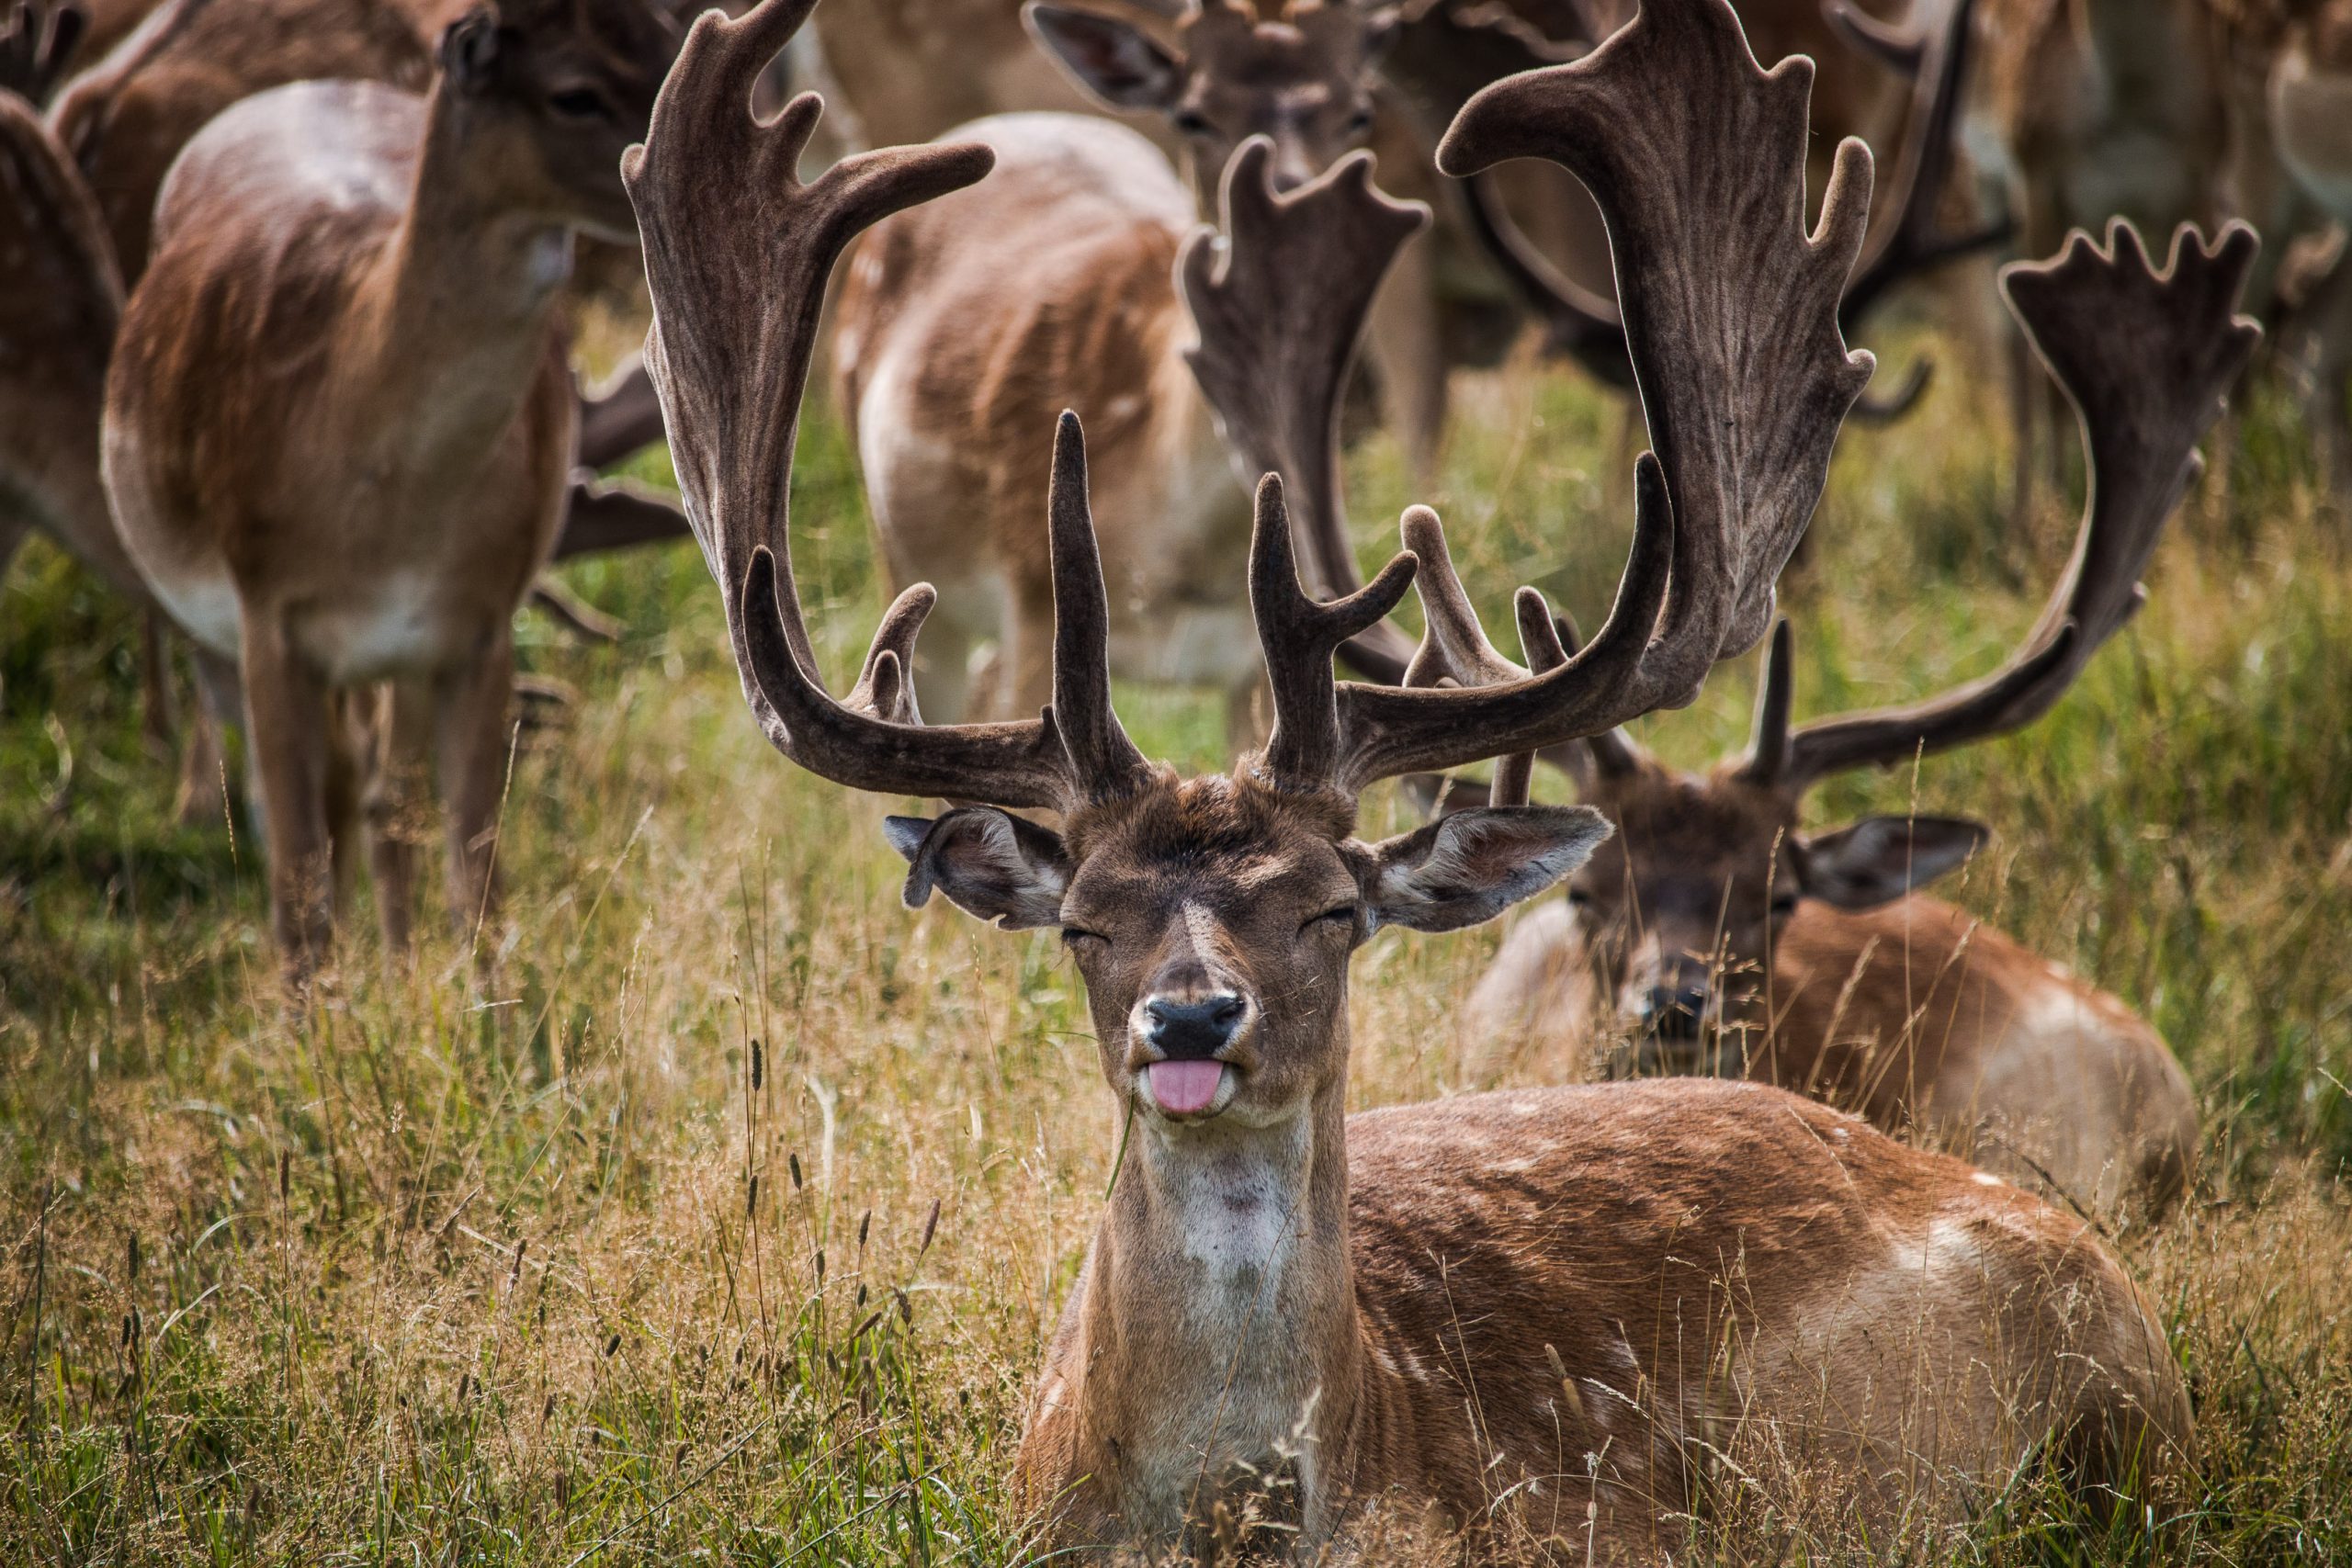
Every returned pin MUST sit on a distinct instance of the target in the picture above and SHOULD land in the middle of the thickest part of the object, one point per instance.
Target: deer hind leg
(1025, 654)
(395, 807)
(1408, 355)
(2329, 360)
(204, 795)
(286, 729)
(351, 745)
(472, 741)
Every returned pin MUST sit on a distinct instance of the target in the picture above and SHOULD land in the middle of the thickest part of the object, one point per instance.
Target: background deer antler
(2145, 357)
(1910, 241)
(1279, 301)
(1696, 157)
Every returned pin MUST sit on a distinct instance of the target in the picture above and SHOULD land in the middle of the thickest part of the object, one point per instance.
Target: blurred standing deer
(965, 323)
(339, 421)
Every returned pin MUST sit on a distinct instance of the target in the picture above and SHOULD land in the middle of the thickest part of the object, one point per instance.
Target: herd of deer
(283, 356)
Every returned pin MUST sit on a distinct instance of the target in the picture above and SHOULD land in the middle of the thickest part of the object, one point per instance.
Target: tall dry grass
(725, 1223)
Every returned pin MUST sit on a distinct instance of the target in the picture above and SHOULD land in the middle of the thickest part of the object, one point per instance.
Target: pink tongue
(1182, 1088)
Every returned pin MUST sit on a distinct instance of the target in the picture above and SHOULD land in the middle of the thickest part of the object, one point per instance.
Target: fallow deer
(1509, 1308)
(965, 323)
(339, 423)
(1734, 943)
(58, 313)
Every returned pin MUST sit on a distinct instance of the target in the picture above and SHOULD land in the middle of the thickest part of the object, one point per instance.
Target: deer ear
(1115, 61)
(1000, 867)
(469, 50)
(1880, 859)
(1471, 866)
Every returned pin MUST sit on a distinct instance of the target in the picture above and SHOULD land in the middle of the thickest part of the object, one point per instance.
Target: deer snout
(1194, 1029)
(1673, 1011)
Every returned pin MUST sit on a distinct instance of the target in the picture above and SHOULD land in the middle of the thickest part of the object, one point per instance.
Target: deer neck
(1220, 1339)
(465, 298)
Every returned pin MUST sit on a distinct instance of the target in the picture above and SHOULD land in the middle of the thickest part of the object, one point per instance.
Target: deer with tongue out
(1534, 1313)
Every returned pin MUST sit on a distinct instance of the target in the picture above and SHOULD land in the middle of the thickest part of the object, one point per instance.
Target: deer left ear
(469, 49)
(991, 863)
(1471, 866)
(1880, 859)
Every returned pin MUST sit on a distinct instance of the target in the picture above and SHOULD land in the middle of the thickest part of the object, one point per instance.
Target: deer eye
(1578, 897)
(1784, 903)
(579, 102)
(1192, 123)
(1340, 915)
(1360, 122)
(1073, 935)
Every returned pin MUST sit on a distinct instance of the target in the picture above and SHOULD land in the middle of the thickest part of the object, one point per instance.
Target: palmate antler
(1731, 313)
(1278, 301)
(1697, 158)
(737, 253)
(2145, 357)
(1584, 327)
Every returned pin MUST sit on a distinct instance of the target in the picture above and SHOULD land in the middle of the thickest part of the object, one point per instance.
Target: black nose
(1672, 1012)
(1191, 1031)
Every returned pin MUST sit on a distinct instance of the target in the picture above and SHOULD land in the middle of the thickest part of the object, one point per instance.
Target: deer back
(128, 117)
(967, 323)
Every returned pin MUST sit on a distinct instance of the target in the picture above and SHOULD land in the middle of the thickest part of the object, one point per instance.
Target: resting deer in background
(1287, 1310)
(339, 421)
(1734, 943)
(965, 323)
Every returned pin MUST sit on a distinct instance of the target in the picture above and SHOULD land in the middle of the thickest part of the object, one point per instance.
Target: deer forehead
(1226, 845)
(1682, 821)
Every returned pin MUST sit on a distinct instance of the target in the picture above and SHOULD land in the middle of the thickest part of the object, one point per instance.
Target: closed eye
(1073, 935)
(1342, 914)
(579, 102)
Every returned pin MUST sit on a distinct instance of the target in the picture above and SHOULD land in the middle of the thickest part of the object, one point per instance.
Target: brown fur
(965, 326)
(1292, 1313)
(339, 423)
(126, 118)
(58, 313)
(1912, 1014)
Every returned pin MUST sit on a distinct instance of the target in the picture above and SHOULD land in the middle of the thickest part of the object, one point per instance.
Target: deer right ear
(1005, 869)
(1880, 859)
(1113, 59)
(469, 50)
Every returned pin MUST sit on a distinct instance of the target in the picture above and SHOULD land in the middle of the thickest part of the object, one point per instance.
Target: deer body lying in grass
(339, 420)
(1509, 1308)
(1733, 942)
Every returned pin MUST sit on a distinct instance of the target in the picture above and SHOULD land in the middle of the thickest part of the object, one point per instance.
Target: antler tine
(1911, 240)
(33, 56)
(1696, 157)
(1768, 745)
(1278, 304)
(1099, 752)
(737, 254)
(2145, 357)
(1299, 634)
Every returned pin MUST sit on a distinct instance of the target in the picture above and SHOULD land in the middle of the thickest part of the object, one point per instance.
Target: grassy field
(726, 1223)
